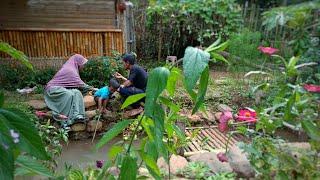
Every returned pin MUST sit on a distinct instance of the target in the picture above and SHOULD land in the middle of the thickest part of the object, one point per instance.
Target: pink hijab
(68, 76)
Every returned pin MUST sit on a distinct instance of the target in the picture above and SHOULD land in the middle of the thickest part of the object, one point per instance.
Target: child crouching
(103, 95)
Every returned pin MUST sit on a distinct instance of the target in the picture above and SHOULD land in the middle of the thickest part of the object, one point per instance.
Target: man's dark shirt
(138, 77)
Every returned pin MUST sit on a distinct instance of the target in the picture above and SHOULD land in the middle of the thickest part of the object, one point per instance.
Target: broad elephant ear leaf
(157, 82)
(194, 62)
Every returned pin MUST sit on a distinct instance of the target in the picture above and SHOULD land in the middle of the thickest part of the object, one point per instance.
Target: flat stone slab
(37, 104)
(176, 163)
(210, 158)
(239, 162)
(88, 101)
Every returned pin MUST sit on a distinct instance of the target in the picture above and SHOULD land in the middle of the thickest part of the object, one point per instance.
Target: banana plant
(216, 48)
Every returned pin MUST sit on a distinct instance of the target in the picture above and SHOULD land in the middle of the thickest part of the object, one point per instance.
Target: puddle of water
(80, 154)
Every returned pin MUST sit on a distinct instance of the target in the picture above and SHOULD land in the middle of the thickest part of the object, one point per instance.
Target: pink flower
(222, 157)
(247, 114)
(224, 119)
(312, 88)
(268, 50)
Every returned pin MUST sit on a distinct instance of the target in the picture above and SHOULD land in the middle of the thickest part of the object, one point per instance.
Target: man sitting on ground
(136, 83)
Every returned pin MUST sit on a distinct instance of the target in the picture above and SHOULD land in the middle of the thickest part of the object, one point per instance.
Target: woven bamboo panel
(208, 139)
(43, 43)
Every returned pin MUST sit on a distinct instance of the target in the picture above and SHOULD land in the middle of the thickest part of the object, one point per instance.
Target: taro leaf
(312, 130)
(6, 163)
(157, 82)
(128, 169)
(132, 99)
(194, 62)
(151, 164)
(34, 166)
(175, 74)
(30, 140)
(202, 89)
(116, 129)
(16, 54)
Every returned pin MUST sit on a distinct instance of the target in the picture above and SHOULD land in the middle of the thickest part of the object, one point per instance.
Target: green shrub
(98, 71)
(243, 48)
(13, 77)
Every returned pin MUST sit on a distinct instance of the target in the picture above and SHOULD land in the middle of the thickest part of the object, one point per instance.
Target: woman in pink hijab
(62, 94)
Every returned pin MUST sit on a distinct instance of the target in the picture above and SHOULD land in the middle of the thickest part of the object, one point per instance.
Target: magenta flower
(99, 163)
(14, 135)
(224, 119)
(268, 50)
(222, 157)
(247, 114)
(312, 88)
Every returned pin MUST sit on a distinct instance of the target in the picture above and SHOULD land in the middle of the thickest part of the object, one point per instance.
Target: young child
(103, 94)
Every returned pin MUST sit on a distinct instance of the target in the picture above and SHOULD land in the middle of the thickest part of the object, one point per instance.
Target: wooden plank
(223, 138)
(196, 145)
(215, 137)
(61, 29)
(212, 141)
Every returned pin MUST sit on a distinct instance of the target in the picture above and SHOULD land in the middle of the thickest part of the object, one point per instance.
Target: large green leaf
(34, 166)
(6, 163)
(214, 44)
(128, 169)
(175, 74)
(151, 164)
(202, 89)
(30, 140)
(18, 55)
(219, 48)
(194, 62)
(157, 82)
(132, 99)
(312, 130)
(116, 129)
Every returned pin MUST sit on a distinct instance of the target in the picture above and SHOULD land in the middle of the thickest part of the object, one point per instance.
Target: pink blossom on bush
(268, 50)
(312, 88)
(222, 157)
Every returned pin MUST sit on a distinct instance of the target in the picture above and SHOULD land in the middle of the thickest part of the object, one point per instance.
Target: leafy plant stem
(134, 133)
(227, 144)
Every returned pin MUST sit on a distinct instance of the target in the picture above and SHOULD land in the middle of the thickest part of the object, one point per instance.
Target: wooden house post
(126, 23)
